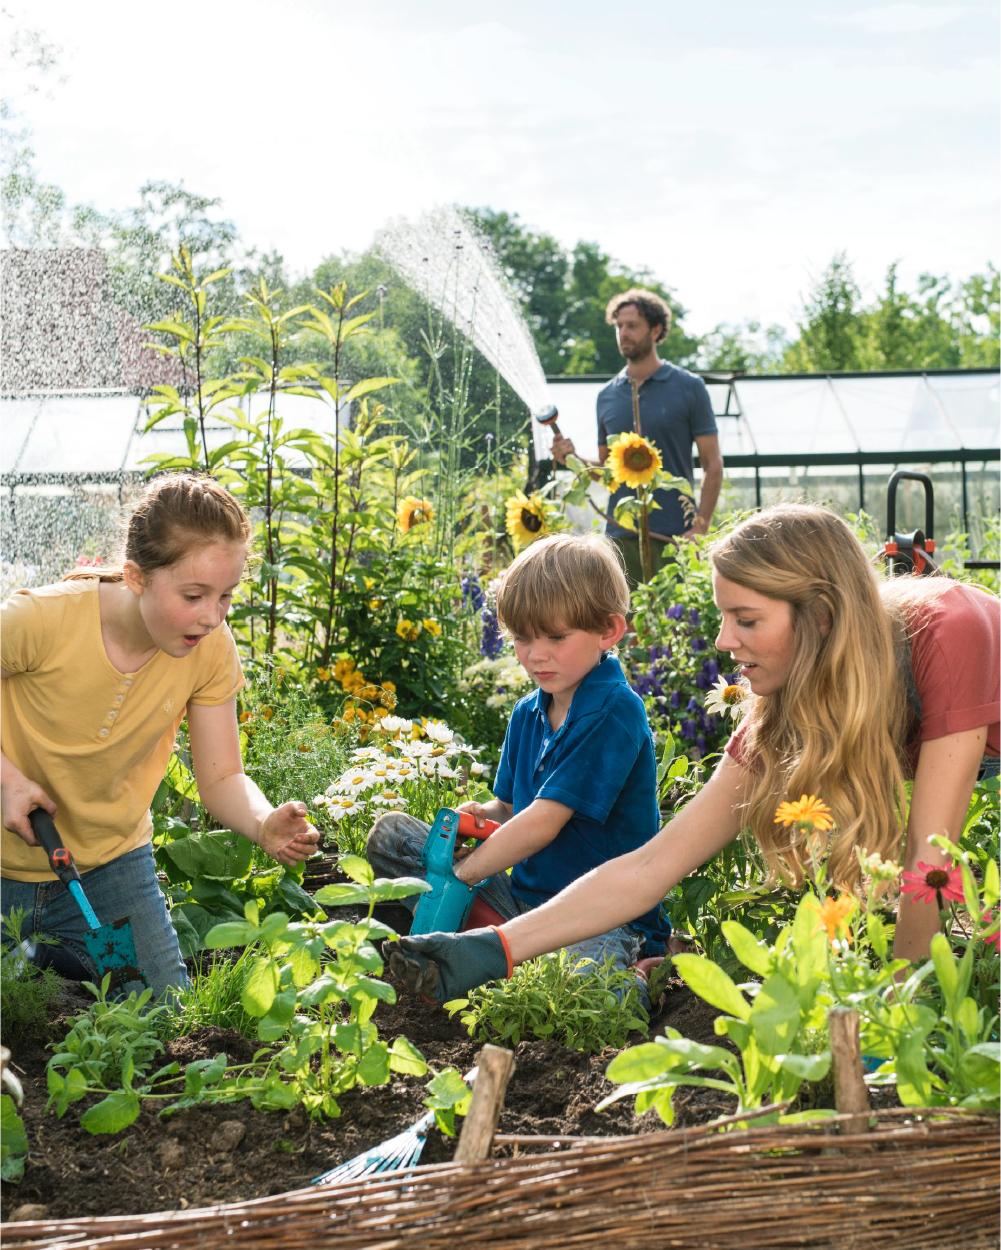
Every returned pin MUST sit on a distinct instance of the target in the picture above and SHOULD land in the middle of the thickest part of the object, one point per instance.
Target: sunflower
(408, 630)
(526, 518)
(633, 461)
(413, 511)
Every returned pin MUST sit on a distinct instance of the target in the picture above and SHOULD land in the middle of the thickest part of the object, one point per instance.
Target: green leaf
(366, 387)
(374, 1066)
(113, 1113)
(806, 1067)
(357, 868)
(775, 1015)
(342, 895)
(752, 954)
(231, 933)
(710, 982)
(404, 1057)
(260, 988)
(945, 969)
(13, 1138)
(400, 887)
(639, 1063)
(448, 1089)
(221, 854)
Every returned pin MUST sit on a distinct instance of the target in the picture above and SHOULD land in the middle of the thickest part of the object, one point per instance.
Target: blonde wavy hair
(838, 725)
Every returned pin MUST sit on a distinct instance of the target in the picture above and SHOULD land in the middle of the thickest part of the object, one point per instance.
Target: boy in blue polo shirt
(577, 781)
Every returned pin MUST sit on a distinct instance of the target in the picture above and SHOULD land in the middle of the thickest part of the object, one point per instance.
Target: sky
(729, 146)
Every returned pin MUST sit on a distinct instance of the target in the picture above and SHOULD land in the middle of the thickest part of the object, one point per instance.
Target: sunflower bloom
(932, 882)
(408, 630)
(633, 461)
(413, 511)
(809, 810)
(432, 626)
(526, 518)
(834, 913)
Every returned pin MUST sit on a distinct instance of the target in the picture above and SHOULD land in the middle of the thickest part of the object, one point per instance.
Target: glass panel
(719, 393)
(80, 434)
(171, 442)
(794, 415)
(17, 417)
(972, 404)
(894, 413)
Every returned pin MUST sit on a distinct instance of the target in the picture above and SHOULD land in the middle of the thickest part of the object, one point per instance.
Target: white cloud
(901, 19)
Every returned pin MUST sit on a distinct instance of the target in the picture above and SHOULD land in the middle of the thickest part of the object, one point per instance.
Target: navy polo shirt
(675, 409)
(601, 763)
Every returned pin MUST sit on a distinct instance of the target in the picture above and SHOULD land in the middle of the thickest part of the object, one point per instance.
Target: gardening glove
(442, 966)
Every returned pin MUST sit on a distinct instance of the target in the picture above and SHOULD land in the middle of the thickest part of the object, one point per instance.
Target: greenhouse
(836, 438)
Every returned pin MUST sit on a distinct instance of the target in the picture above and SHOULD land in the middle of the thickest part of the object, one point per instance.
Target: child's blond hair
(566, 581)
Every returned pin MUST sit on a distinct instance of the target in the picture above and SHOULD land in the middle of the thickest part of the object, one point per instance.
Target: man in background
(675, 411)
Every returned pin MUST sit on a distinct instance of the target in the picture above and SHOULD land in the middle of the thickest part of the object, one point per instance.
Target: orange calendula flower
(267, 712)
(808, 810)
(323, 674)
(342, 668)
(413, 511)
(834, 913)
(245, 717)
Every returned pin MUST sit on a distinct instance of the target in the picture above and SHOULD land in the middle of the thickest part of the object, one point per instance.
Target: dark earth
(208, 1155)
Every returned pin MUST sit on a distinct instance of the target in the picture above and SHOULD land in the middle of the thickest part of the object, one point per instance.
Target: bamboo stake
(495, 1067)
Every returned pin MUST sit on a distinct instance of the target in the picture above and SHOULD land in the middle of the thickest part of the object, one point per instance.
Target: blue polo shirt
(675, 409)
(601, 763)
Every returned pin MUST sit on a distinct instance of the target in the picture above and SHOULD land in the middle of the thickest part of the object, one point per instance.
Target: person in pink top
(856, 684)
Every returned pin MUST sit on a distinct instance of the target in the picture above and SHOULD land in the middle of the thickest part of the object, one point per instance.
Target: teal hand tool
(111, 946)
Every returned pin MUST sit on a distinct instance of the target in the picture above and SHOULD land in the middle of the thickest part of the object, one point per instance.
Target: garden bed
(189, 1160)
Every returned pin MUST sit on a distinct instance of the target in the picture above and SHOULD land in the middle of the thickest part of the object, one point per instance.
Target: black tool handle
(908, 475)
(60, 859)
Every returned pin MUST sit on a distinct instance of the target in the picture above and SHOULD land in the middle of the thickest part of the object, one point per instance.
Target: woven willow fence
(909, 1182)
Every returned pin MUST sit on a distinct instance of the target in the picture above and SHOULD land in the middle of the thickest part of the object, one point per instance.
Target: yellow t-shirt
(96, 740)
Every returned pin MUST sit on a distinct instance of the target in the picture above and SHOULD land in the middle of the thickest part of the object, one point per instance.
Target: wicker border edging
(918, 1182)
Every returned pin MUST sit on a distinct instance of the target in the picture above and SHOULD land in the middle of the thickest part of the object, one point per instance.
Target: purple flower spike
(675, 699)
(700, 742)
(698, 644)
(675, 611)
(689, 729)
(702, 681)
(711, 670)
(693, 703)
(693, 615)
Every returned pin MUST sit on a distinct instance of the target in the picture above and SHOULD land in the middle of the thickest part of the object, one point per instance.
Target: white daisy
(438, 731)
(366, 753)
(416, 750)
(341, 805)
(320, 800)
(725, 697)
(391, 724)
(480, 770)
(356, 781)
(389, 798)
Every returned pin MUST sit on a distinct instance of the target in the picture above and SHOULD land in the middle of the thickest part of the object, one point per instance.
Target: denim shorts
(395, 843)
(126, 886)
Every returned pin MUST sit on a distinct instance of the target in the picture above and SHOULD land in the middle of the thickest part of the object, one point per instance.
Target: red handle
(469, 829)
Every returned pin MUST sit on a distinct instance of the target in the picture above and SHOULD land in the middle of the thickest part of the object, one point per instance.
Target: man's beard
(638, 350)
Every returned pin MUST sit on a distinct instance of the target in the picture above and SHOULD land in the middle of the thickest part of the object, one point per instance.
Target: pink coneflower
(932, 882)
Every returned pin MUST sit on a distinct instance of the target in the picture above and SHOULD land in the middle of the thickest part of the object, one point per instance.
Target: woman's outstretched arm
(943, 784)
(630, 885)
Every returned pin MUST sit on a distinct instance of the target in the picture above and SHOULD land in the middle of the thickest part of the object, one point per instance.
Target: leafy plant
(448, 1096)
(324, 1002)
(27, 993)
(214, 996)
(13, 1141)
(579, 1003)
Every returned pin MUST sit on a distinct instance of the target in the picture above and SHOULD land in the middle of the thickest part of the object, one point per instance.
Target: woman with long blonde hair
(856, 684)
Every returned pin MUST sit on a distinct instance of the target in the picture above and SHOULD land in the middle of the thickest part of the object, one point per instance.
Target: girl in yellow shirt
(97, 673)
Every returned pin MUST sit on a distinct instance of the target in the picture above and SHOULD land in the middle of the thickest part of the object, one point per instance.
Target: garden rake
(402, 1151)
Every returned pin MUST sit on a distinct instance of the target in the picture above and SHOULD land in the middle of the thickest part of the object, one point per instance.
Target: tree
(829, 333)
(565, 295)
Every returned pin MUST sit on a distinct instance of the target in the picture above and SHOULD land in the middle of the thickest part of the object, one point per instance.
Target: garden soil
(207, 1155)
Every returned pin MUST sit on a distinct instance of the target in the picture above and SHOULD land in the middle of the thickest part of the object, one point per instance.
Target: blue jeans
(126, 886)
(394, 847)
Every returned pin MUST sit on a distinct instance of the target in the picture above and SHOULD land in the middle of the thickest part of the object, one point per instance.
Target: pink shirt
(956, 662)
